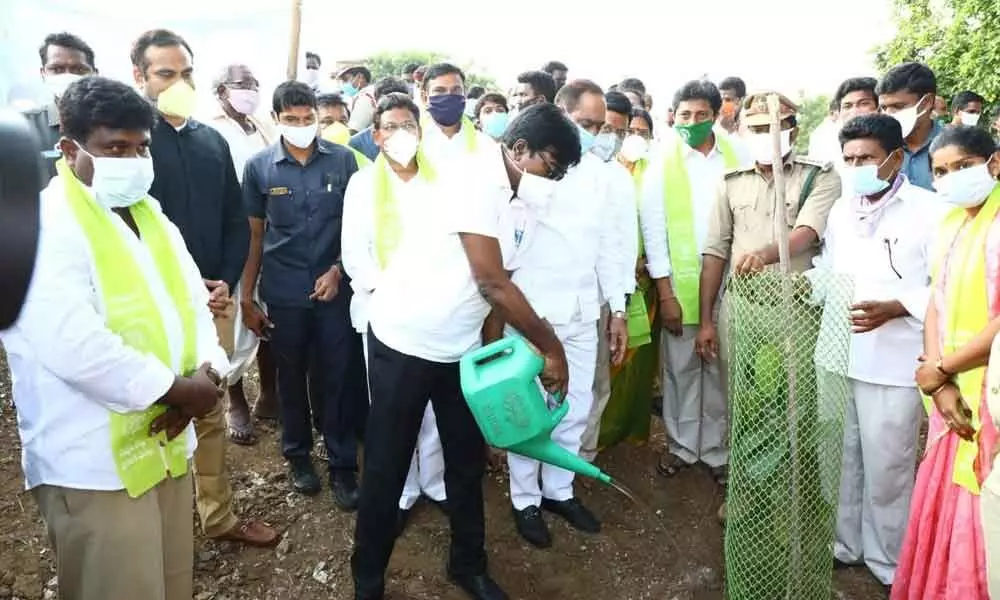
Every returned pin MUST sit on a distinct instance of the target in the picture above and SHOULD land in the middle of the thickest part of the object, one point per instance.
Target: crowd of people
(357, 236)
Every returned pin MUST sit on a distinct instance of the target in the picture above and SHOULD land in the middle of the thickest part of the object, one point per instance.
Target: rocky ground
(669, 547)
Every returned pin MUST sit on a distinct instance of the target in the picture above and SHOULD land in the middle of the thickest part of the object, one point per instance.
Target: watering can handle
(560, 410)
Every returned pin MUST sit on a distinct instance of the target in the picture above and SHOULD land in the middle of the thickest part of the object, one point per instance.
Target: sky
(792, 46)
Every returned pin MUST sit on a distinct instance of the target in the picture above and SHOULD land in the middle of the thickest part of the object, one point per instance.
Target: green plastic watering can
(500, 384)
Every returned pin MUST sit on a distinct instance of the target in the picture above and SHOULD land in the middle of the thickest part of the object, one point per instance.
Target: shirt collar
(935, 131)
(688, 150)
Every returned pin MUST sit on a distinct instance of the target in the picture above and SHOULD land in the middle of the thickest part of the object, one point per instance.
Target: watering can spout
(547, 451)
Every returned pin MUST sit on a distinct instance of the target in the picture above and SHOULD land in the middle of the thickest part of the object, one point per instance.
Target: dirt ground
(669, 550)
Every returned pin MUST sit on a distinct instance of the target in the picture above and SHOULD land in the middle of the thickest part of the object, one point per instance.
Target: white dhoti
(601, 388)
(426, 474)
(694, 401)
(881, 428)
(579, 340)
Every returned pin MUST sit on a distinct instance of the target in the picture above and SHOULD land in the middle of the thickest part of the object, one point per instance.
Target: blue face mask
(494, 124)
(348, 90)
(446, 109)
(586, 140)
(864, 180)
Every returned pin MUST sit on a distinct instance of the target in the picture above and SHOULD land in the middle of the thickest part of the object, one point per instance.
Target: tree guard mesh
(787, 340)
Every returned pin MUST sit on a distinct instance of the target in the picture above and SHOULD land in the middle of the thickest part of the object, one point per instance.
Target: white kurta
(560, 272)
(694, 394)
(888, 261)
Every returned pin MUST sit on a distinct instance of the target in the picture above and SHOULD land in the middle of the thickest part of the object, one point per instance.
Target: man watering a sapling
(575, 246)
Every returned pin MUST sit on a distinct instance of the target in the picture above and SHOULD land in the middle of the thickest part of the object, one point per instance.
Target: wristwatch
(215, 378)
(939, 365)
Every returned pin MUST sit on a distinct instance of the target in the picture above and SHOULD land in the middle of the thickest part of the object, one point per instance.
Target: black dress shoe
(344, 485)
(303, 477)
(532, 527)
(575, 513)
(402, 520)
(480, 587)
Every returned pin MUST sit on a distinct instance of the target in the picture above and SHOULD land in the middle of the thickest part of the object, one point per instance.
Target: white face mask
(120, 182)
(401, 147)
(300, 137)
(908, 117)
(535, 190)
(634, 148)
(58, 84)
(762, 146)
(968, 187)
(969, 119)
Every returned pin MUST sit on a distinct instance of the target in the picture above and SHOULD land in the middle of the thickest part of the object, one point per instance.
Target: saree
(943, 555)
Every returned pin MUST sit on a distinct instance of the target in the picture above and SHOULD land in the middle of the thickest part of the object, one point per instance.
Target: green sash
(679, 210)
(388, 227)
(637, 313)
(141, 460)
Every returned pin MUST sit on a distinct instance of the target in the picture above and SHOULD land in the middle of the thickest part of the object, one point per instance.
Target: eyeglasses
(888, 248)
(390, 128)
(553, 171)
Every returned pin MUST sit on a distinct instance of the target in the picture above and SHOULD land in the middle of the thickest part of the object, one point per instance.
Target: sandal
(670, 465)
(721, 474)
(242, 435)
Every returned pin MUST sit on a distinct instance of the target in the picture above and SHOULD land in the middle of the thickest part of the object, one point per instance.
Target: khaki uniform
(743, 218)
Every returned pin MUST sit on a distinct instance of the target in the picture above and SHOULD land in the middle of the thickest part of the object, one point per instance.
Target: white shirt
(70, 371)
(362, 109)
(575, 253)
(824, 143)
(908, 226)
(242, 146)
(705, 172)
(621, 188)
(427, 303)
(443, 151)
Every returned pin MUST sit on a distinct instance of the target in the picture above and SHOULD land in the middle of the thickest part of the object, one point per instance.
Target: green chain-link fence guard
(787, 365)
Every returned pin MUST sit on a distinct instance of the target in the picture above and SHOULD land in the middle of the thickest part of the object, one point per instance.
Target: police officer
(741, 230)
(294, 194)
(65, 59)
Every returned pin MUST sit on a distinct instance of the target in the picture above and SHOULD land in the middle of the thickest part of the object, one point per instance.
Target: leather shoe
(531, 525)
(575, 513)
(303, 477)
(344, 485)
(402, 520)
(479, 587)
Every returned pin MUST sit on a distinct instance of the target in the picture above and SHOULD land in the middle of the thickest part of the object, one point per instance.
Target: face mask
(535, 189)
(244, 102)
(348, 90)
(864, 179)
(337, 132)
(634, 148)
(969, 119)
(587, 139)
(178, 100)
(494, 124)
(606, 146)
(908, 117)
(762, 147)
(695, 134)
(300, 137)
(58, 84)
(512, 113)
(401, 147)
(120, 182)
(311, 77)
(968, 187)
(446, 109)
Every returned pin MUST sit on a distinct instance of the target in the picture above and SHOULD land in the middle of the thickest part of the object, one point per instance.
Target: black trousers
(400, 386)
(319, 359)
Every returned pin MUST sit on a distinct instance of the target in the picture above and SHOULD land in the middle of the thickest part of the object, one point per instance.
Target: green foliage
(958, 39)
(385, 64)
(812, 111)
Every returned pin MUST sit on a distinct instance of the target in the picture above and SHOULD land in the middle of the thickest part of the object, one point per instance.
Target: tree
(958, 39)
(812, 111)
(386, 64)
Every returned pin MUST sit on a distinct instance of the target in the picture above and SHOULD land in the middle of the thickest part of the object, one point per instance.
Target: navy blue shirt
(302, 206)
(917, 165)
(364, 143)
(196, 186)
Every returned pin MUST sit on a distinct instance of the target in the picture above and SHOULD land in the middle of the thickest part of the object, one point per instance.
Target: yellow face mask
(337, 132)
(178, 100)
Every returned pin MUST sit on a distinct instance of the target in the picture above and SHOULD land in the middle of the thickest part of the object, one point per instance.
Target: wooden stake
(292, 71)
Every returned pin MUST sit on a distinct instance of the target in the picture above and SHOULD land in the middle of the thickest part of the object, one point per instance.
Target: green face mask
(694, 134)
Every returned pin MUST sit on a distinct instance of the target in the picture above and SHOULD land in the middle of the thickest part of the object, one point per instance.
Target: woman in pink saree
(943, 555)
